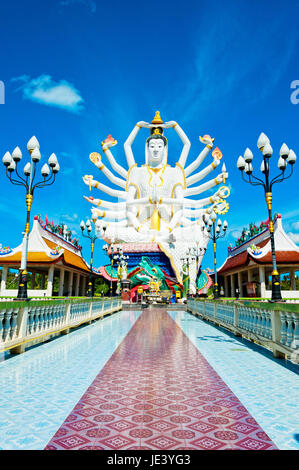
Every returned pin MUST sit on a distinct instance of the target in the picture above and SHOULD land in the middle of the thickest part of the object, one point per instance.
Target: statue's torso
(156, 185)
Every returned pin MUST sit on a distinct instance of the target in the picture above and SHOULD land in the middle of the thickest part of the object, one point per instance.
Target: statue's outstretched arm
(96, 159)
(202, 202)
(89, 181)
(208, 185)
(109, 214)
(185, 202)
(182, 215)
(193, 213)
(114, 179)
(116, 167)
(195, 204)
(102, 229)
(128, 143)
(179, 201)
(184, 139)
(135, 202)
(176, 218)
(194, 165)
(201, 174)
(187, 222)
(108, 204)
(133, 221)
(131, 202)
(120, 223)
(132, 205)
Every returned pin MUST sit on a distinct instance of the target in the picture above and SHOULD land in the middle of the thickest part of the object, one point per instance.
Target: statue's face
(156, 151)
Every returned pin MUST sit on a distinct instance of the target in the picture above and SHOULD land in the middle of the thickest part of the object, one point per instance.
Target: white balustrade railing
(225, 314)
(210, 309)
(20, 326)
(278, 330)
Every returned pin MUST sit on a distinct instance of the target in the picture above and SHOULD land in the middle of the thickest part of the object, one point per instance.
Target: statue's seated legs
(129, 235)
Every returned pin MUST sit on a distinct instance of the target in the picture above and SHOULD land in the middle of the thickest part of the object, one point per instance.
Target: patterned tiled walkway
(158, 392)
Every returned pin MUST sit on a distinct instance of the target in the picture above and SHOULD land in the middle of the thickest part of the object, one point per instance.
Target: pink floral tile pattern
(158, 392)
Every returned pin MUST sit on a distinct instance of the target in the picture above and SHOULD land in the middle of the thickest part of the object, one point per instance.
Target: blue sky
(77, 70)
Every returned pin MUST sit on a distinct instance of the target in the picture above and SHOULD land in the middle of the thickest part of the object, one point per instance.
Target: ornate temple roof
(105, 271)
(257, 250)
(45, 248)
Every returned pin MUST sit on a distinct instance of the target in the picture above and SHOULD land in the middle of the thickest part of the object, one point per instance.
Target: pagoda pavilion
(53, 254)
(248, 266)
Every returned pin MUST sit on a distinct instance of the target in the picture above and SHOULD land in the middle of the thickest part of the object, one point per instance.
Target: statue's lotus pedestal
(125, 291)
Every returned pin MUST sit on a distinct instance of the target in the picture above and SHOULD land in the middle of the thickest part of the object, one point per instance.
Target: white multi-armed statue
(153, 204)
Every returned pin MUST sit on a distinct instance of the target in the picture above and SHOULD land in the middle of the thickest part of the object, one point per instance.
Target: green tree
(12, 280)
(101, 286)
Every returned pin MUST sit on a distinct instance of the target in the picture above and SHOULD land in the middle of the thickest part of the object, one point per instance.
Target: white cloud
(235, 233)
(67, 171)
(294, 237)
(45, 90)
(66, 154)
(69, 218)
(291, 214)
(88, 3)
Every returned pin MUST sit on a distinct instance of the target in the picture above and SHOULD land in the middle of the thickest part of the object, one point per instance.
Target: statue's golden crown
(157, 120)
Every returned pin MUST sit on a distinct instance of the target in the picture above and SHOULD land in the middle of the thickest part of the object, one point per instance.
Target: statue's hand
(142, 229)
(219, 178)
(163, 232)
(153, 126)
(154, 198)
(216, 162)
(169, 124)
(144, 124)
(219, 206)
(92, 200)
(108, 142)
(94, 213)
(216, 198)
(95, 158)
(100, 224)
(89, 181)
(221, 193)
